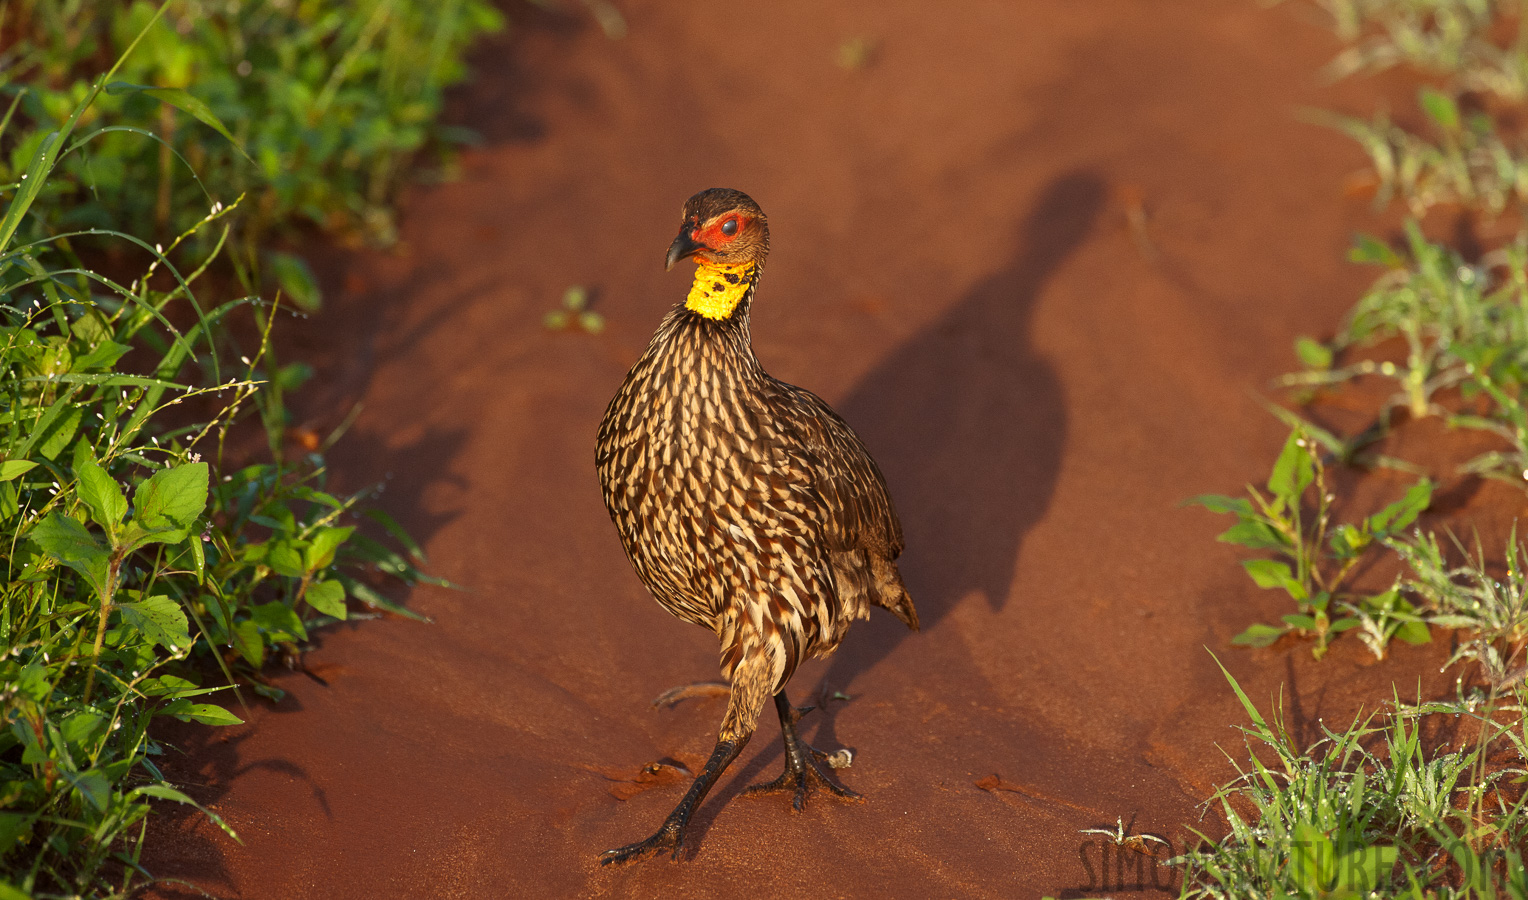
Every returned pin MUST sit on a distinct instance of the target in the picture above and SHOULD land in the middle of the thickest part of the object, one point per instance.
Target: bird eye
(729, 227)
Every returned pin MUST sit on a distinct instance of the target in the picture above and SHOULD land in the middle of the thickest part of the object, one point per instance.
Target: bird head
(721, 227)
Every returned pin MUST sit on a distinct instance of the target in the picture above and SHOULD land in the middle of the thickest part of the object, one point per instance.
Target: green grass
(1465, 329)
(1375, 810)
(145, 572)
(1473, 153)
(1461, 40)
(1315, 555)
(1467, 161)
(328, 102)
(1462, 329)
(1386, 806)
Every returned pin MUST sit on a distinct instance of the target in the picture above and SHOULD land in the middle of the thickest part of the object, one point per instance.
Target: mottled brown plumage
(745, 504)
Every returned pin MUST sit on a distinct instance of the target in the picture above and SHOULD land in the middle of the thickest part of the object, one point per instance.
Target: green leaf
(1348, 541)
(1402, 512)
(1440, 107)
(111, 380)
(369, 596)
(296, 280)
(83, 727)
(1313, 353)
(1363, 869)
(1270, 573)
(33, 682)
(1454, 621)
(1219, 503)
(207, 713)
(171, 687)
(172, 498)
(1370, 250)
(1241, 695)
(13, 826)
(1293, 471)
(321, 547)
(57, 435)
(1253, 533)
(248, 641)
(165, 792)
(199, 560)
(68, 543)
(133, 535)
(41, 165)
(278, 621)
(92, 785)
(1258, 635)
(1333, 444)
(181, 101)
(1311, 857)
(46, 155)
(12, 469)
(98, 490)
(402, 536)
(1302, 622)
(104, 356)
(1414, 633)
(285, 559)
(292, 376)
(328, 597)
(160, 620)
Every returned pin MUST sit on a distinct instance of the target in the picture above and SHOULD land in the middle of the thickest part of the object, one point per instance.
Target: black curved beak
(683, 246)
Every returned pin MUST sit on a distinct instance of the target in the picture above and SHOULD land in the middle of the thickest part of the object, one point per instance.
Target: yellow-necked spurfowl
(746, 504)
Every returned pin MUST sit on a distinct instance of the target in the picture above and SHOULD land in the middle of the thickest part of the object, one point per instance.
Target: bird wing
(859, 514)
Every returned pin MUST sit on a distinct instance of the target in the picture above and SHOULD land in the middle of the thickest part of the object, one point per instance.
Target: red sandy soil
(1046, 257)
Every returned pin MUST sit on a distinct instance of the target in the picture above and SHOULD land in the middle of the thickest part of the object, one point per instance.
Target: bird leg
(671, 835)
(804, 764)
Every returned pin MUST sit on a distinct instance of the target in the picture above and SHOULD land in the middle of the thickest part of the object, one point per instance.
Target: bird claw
(801, 781)
(665, 838)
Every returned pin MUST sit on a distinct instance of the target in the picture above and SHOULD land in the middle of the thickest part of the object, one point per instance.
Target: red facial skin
(712, 237)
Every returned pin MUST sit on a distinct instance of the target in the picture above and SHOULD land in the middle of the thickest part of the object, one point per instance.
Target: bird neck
(719, 289)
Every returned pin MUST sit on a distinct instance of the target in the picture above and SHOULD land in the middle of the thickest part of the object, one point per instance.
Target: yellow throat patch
(718, 289)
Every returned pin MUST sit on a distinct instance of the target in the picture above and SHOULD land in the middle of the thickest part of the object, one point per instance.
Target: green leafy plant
(1492, 612)
(1465, 331)
(1314, 555)
(1469, 163)
(1456, 38)
(127, 556)
(1376, 809)
(328, 102)
(1372, 810)
(575, 313)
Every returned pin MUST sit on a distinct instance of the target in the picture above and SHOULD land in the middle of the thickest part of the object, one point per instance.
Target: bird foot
(669, 837)
(806, 769)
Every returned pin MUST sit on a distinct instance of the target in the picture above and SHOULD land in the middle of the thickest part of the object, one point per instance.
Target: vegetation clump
(1427, 801)
(149, 567)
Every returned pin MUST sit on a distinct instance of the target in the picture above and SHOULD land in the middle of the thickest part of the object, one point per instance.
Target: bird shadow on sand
(968, 423)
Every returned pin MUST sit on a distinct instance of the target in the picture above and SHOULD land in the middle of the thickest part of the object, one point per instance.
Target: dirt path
(955, 269)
